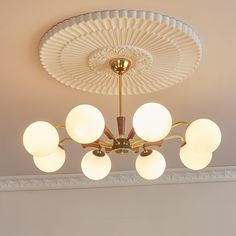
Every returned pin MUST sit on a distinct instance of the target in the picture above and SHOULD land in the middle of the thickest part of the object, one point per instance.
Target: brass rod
(150, 144)
(180, 123)
(137, 142)
(64, 139)
(175, 137)
(120, 66)
(120, 95)
(92, 145)
(105, 144)
(58, 126)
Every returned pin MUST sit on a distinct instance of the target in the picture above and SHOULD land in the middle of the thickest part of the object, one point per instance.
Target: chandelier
(122, 52)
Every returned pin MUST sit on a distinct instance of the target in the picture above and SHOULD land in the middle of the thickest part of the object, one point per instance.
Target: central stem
(120, 66)
(120, 118)
(120, 95)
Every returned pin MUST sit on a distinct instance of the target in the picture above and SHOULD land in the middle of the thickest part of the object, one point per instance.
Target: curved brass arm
(64, 139)
(175, 137)
(105, 144)
(59, 126)
(137, 143)
(141, 143)
(184, 123)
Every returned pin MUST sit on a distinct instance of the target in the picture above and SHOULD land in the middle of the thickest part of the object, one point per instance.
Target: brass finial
(120, 65)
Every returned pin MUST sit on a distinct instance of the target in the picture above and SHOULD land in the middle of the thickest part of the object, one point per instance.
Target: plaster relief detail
(117, 179)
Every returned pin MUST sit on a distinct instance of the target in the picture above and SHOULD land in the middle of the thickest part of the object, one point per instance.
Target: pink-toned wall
(185, 210)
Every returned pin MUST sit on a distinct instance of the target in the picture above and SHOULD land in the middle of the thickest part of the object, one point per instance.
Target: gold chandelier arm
(137, 143)
(141, 143)
(149, 144)
(59, 126)
(92, 145)
(175, 137)
(63, 140)
(184, 123)
(105, 144)
(99, 144)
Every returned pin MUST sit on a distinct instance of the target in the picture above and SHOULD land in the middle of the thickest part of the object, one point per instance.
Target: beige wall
(166, 210)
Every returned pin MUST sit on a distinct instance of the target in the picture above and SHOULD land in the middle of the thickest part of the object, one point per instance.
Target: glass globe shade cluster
(152, 123)
(52, 162)
(202, 137)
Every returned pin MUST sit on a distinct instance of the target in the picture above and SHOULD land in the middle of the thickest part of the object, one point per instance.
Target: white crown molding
(117, 179)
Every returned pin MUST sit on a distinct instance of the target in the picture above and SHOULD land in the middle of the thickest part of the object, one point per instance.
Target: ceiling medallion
(121, 52)
(141, 59)
(163, 51)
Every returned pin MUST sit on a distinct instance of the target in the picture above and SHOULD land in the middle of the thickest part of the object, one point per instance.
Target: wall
(166, 210)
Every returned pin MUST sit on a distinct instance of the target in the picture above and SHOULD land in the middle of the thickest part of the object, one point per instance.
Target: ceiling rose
(162, 50)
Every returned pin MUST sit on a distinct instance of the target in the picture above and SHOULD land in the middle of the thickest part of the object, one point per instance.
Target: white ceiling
(29, 94)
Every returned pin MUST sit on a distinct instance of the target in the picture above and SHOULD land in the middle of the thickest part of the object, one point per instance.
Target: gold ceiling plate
(162, 50)
(120, 65)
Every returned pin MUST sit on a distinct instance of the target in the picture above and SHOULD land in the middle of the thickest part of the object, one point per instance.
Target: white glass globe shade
(152, 166)
(203, 135)
(40, 138)
(194, 160)
(95, 167)
(152, 122)
(85, 124)
(52, 162)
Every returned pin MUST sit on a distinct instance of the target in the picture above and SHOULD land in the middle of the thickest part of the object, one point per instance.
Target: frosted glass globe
(152, 166)
(52, 162)
(85, 124)
(152, 122)
(194, 160)
(40, 138)
(95, 167)
(203, 135)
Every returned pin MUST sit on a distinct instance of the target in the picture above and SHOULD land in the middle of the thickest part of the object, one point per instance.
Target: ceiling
(29, 94)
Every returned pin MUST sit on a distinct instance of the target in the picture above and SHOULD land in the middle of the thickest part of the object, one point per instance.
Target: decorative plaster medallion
(163, 51)
(141, 60)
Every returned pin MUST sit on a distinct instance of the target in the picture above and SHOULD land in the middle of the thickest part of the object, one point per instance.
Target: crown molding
(115, 179)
